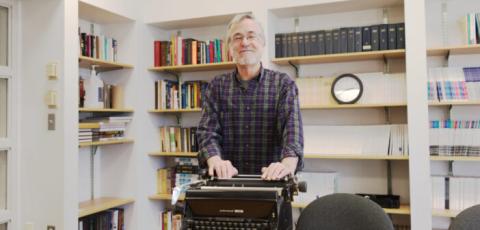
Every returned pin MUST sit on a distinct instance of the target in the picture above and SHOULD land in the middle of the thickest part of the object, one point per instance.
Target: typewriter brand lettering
(231, 211)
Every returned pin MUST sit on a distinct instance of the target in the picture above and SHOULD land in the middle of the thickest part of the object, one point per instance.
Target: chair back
(468, 219)
(342, 211)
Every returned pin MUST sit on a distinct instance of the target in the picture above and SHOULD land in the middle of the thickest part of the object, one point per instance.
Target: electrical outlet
(50, 227)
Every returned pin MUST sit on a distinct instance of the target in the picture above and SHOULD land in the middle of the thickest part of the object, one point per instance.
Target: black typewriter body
(245, 202)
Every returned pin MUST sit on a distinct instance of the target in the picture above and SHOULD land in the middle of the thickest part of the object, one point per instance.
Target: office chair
(468, 219)
(342, 211)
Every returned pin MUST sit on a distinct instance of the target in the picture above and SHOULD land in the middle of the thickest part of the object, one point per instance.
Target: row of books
(378, 88)
(188, 51)
(341, 40)
(319, 184)
(98, 46)
(185, 171)
(95, 93)
(178, 139)
(361, 139)
(472, 28)
(455, 193)
(170, 220)
(169, 95)
(453, 83)
(455, 137)
(112, 219)
(112, 129)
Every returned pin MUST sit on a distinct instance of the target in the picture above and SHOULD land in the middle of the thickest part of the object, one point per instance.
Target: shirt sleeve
(209, 132)
(290, 123)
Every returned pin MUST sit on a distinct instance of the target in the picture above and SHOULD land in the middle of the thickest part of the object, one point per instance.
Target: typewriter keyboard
(211, 224)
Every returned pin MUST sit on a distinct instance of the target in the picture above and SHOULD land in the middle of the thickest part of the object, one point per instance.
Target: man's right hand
(223, 169)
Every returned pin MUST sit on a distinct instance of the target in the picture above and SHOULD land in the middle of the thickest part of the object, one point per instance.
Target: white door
(8, 158)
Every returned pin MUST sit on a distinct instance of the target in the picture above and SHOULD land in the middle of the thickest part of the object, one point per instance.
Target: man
(251, 121)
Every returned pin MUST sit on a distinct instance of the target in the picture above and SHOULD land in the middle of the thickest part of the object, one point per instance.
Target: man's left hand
(275, 171)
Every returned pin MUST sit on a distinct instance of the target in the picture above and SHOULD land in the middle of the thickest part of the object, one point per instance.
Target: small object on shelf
(347, 89)
(385, 201)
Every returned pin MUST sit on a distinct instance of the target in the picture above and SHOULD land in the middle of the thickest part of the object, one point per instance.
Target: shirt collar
(257, 78)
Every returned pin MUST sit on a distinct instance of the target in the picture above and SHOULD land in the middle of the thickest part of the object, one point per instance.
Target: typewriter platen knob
(302, 186)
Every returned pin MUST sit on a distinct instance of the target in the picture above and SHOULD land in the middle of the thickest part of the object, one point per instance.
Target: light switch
(51, 121)
(51, 99)
(52, 71)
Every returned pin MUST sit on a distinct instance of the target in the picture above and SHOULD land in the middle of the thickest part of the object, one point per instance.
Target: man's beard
(247, 59)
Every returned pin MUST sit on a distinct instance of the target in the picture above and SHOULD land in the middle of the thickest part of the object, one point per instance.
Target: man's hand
(277, 170)
(223, 169)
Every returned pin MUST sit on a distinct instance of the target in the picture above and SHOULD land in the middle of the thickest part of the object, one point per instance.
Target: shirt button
(246, 145)
(248, 107)
(246, 126)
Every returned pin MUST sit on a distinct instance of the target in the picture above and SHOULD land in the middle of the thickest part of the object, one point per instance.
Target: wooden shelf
(89, 125)
(455, 158)
(195, 22)
(451, 103)
(454, 50)
(403, 210)
(352, 106)
(354, 157)
(99, 110)
(445, 213)
(94, 143)
(193, 68)
(99, 15)
(173, 154)
(164, 197)
(101, 65)
(330, 7)
(175, 110)
(101, 204)
(343, 57)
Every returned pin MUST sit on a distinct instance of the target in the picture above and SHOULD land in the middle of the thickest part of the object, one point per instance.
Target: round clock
(347, 89)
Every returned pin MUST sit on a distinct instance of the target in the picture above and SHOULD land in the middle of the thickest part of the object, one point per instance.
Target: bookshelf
(101, 65)
(448, 48)
(454, 158)
(90, 207)
(102, 110)
(99, 143)
(403, 210)
(194, 68)
(172, 154)
(352, 106)
(392, 170)
(342, 57)
(175, 110)
(454, 50)
(99, 184)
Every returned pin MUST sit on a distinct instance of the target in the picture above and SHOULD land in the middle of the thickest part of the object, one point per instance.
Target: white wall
(47, 158)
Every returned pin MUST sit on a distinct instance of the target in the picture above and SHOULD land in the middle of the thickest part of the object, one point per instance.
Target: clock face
(347, 89)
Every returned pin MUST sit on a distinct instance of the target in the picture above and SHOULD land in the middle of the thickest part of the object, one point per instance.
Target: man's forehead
(245, 26)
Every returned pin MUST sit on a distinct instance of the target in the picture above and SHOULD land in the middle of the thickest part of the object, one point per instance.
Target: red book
(156, 56)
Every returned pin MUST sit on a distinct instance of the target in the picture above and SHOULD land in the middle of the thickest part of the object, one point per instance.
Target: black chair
(342, 211)
(468, 219)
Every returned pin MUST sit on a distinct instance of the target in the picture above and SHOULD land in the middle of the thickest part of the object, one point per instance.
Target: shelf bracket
(387, 114)
(93, 151)
(295, 67)
(179, 118)
(450, 168)
(389, 177)
(447, 57)
(174, 74)
(386, 64)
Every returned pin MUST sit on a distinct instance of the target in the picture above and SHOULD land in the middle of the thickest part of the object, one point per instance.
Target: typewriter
(243, 202)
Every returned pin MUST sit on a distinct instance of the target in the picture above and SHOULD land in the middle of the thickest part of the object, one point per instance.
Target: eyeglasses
(239, 38)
